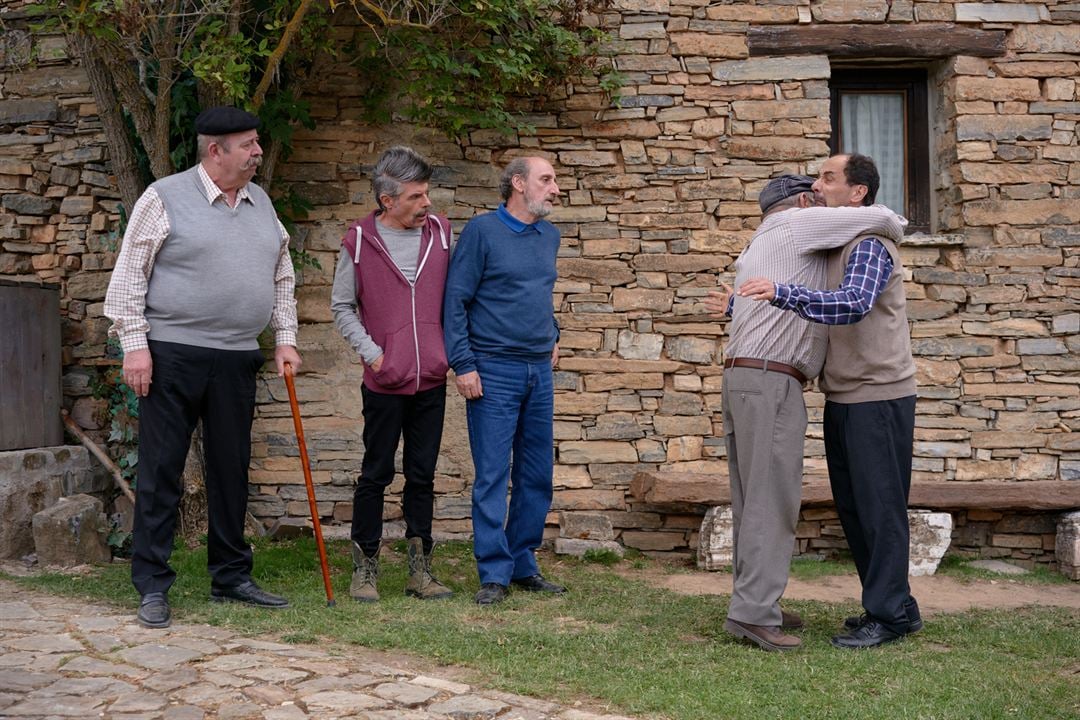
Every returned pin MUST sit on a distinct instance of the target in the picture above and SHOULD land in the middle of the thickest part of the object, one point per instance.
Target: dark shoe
(491, 593)
(249, 593)
(790, 621)
(154, 610)
(537, 583)
(911, 608)
(870, 634)
(766, 638)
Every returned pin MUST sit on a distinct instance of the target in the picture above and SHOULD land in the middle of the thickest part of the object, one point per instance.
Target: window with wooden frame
(883, 114)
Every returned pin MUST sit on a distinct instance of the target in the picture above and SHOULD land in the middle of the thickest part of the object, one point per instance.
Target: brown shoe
(790, 621)
(766, 638)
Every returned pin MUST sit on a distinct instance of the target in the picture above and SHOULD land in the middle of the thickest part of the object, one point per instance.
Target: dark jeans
(868, 449)
(387, 418)
(192, 383)
(511, 437)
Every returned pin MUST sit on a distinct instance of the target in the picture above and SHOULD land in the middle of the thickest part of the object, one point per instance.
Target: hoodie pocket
(399, 360)
(433, 362)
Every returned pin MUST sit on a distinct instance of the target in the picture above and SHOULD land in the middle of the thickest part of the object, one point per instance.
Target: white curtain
(873, 124)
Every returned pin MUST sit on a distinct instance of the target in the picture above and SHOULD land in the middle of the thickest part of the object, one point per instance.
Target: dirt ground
(935, 593)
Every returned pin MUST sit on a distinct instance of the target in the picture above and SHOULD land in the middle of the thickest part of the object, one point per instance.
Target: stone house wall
(661, 196)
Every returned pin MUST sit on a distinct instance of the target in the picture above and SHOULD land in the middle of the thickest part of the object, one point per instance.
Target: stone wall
(660, 198)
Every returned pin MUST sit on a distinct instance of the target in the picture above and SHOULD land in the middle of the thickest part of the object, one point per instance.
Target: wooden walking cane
(310, 485)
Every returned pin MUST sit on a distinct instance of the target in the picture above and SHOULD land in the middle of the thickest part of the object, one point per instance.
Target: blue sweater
(498, 291)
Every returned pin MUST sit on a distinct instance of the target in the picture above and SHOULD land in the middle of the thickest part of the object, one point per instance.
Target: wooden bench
(694, 492)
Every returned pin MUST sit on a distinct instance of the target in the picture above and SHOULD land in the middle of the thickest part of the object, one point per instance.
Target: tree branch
(121, 148)
(278, 54)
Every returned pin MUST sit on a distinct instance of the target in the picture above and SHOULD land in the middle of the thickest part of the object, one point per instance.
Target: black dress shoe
(537, 583)
(911, 609)
(491, 593)
(154, 610)
(870, 634)
(249, 593)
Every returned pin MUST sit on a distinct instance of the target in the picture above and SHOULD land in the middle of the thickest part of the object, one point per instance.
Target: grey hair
(517, 166)
(204, 141)
(396, 166)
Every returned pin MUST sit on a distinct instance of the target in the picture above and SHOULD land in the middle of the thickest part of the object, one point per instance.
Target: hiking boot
(365, 577)
(421, 584)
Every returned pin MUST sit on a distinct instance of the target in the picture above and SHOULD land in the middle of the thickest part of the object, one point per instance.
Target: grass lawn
(641, 650)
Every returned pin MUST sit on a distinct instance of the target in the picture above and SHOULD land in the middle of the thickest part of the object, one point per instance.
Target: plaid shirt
(125, 302)
(867, 271)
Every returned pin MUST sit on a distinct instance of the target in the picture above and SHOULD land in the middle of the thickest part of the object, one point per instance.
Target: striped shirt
(791, 244)
(147, 230)
(867, 271)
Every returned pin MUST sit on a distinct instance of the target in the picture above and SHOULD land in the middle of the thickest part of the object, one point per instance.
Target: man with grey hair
(203, 269)
(502, 342)
(387, 303)
(769, 357)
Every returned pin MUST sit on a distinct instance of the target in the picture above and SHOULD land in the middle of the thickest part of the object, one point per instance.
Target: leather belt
(767, 366)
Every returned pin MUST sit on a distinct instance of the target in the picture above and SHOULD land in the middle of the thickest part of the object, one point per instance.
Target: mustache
(253, 162)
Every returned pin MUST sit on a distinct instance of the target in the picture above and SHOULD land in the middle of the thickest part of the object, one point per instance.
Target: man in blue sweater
(502, 342)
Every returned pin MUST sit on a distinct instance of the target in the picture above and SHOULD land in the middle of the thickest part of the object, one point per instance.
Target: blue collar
(512, 222)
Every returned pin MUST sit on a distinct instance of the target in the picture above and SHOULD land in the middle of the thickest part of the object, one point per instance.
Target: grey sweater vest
(870, 360)
(212, 283)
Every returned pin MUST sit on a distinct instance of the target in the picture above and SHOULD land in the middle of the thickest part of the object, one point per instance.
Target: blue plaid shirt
(868, 269)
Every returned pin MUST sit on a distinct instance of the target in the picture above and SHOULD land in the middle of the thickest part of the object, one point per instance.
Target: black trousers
(868, 449)
(192, 383)
(387, 418)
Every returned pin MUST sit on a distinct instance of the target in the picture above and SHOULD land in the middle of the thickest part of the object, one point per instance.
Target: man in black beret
(203, 269)
(770, 356)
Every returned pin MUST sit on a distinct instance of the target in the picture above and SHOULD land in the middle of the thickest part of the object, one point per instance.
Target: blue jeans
(510, 433)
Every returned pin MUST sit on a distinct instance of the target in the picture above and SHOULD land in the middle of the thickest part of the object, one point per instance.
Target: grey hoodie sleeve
(343, 305)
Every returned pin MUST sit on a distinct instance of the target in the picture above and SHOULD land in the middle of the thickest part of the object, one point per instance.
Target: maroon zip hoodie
(404, 319)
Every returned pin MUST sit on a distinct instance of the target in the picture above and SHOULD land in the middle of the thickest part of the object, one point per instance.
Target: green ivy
(123, 410)
(474, 68)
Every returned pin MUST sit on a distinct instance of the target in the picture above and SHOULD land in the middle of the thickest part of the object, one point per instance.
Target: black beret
(225, 120)
(783, 187)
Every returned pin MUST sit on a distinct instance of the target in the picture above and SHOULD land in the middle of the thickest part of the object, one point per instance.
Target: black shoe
(250, 593)
(154, 610)
(537, 583)
(491, 593)
(870, 634)
(911, 608)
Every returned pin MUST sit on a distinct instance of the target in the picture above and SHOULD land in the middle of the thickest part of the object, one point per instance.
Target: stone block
(1046, 38)
(20, 112)
(777, 148)
(31, 481)
(810, 67)
(1067, 545)
(597, 451)
(1003, 128)
(1000, 13)
(716, 543)
(850, 11)
(585, 526)
(578, 548)
(708, 45)
(655, 541)
(72, 532)
(26, 204)
(931, 533)
(640, 346)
